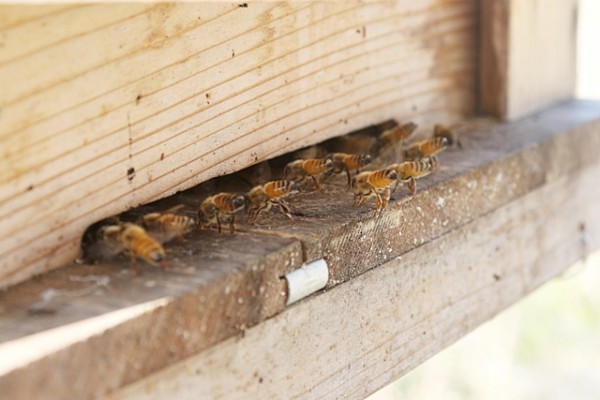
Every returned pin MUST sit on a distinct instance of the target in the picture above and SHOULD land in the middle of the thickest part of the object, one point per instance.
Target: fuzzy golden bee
(138, 243)
(349, 163)
(223, 205)
(393, 136)
(440, 130)
(168, 225)
(409, 171)
(425, 148)
(262, 197)
(107, 241)
(374, 183)
(299, 170)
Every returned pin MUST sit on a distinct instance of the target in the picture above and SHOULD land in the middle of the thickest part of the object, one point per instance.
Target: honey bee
(138, 243)
(395, 135)
(348, 162)
(425, 148)
(409, 171)
(100, 241)
(168, 225)
(443, 131)
(262, 197)
(299, 170)
(374, 183)
(111, 240)
(214, 208)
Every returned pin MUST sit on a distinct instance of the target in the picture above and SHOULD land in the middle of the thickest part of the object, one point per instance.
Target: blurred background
(546, 346)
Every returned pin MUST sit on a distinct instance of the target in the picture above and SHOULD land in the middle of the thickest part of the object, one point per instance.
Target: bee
(443, 131)
(425, 148)
(214, 208)
(138, 243)
(168, 225)
(299, 170)
(107, 241)
(396, 135)
(409, 171)
(374, 183)
(262, 197)
(348, 162)
(100, 242)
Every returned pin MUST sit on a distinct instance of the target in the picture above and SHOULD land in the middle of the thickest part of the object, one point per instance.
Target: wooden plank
(492, 158)
(527, 55)
(134, 325)
(499, 165)
(184, 92)
(396, 316)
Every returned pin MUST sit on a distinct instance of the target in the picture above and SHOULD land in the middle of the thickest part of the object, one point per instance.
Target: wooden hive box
(105, 107)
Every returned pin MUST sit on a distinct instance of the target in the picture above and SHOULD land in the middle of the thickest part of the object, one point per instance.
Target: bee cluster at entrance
(145, 237)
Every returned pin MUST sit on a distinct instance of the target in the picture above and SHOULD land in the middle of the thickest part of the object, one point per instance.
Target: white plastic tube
(306, 280)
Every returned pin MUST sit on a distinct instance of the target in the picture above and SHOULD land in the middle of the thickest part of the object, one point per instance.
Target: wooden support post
(527, 55)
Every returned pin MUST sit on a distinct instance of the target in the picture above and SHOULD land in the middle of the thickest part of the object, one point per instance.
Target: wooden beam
(447, 199)
(105, 107)
(134, 326)
(61, 319)
(360, 336)
(527, 52)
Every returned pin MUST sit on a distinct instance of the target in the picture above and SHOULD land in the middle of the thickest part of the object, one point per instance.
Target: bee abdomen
(275, 189)
(317, 165)
(426, 148)
(398, 133)
(148, 249)
(229, 202)
(434, 146)
(383, 178)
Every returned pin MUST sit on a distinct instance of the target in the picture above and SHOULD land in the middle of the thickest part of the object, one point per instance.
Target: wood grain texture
(527, 55)
(362, 335)
(500, 162)
(135, 325)
(163, 317)
(181, 93)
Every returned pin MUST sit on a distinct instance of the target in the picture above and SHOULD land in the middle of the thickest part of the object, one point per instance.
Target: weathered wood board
(138, 325)
(359, 336)
(103, 313)
(108, 106)
(528, 55)
(502, 163)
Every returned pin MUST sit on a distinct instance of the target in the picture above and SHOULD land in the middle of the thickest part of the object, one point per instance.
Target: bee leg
(317, 185)
(349, 179)
(386, 197)
(218, 224)
(412, 186)
(285, 208)
(232, 225)
(379, 201)
(253, 214)
(395, 187)
(135, 265)
(359, 200)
